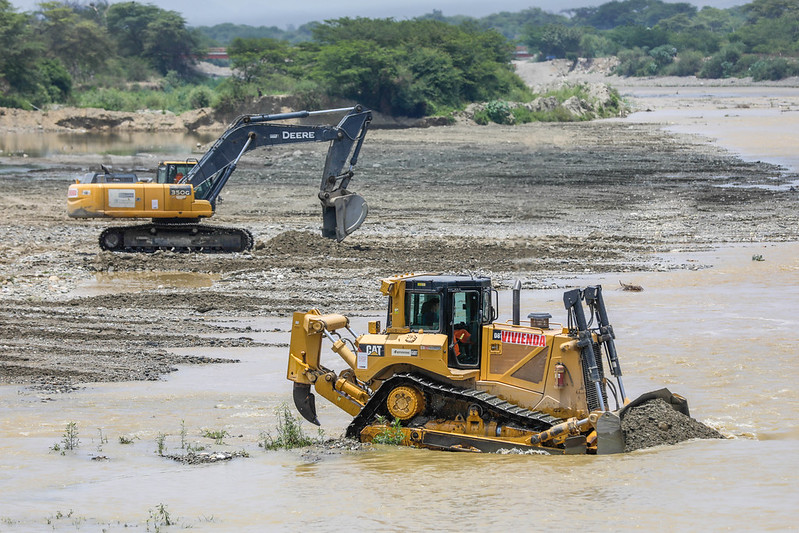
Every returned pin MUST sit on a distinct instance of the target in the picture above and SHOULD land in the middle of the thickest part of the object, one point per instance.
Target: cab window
(466, 328)
(423, 311)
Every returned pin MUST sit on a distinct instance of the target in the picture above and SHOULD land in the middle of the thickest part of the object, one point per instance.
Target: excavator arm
(343, 211)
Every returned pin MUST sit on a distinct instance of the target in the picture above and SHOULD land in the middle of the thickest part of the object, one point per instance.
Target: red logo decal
(527, 339)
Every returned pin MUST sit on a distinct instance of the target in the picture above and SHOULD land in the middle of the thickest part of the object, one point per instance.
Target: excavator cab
(171, 172)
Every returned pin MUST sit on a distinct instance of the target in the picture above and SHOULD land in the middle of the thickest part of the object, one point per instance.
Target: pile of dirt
(655, 422)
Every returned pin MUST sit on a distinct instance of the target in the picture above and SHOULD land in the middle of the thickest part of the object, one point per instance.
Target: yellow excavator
(185, 192)
(445, 375)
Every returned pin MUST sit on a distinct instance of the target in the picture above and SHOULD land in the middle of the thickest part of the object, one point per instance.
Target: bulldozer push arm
(342, 211)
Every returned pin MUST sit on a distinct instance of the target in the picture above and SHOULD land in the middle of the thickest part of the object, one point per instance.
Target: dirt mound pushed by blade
(655, 422)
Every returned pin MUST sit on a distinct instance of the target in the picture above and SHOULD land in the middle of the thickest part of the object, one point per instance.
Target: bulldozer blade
(609, 436)
(345, 215)
(677, 402)
(305, 402)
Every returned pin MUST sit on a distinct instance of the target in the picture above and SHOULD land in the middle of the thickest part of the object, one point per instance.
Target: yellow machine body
(466, 382)
(164, 198)
(135, 200)
(517, 365)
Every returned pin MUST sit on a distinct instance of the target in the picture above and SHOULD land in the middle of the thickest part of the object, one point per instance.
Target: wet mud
(530, 202)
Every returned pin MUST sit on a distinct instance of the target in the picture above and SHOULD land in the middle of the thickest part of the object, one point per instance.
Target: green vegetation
(654, 38)
(128, 56)
(412, 67)
(160, 444)
(502, 112)
(65, 48)
(159, 518)
(392, 435)
(70, 440)
(289, 433)
(217, 435)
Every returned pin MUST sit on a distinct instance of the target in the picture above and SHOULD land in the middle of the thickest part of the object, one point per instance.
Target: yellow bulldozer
(444, 374)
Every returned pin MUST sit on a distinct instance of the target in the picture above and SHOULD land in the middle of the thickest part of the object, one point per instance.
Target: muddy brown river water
(670, 215)
(725, 337)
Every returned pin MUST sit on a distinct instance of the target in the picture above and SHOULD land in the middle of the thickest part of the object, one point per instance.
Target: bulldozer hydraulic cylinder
(320, 323)
(341, 348)
(593, 295)
(573, 302)
(352, 390)
(567, 428)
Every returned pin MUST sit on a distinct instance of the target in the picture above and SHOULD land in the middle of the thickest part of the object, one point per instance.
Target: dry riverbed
(533, 202)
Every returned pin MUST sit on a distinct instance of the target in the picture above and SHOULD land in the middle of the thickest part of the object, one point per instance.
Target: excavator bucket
(305, 402)
(342, 215)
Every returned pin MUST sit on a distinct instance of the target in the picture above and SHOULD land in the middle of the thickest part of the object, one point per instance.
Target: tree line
(130, 55)
(61, 45)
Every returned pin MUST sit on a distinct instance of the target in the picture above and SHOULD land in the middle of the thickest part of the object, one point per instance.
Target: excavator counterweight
(187, 191)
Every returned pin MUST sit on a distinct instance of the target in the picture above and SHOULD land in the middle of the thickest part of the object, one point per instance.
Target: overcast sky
(284, 13)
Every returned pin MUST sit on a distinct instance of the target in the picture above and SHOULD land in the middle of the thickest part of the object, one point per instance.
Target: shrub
(289, 433)
(200, 96)
(392, 434)
(687, 64)
(771, 69)
(499, 112)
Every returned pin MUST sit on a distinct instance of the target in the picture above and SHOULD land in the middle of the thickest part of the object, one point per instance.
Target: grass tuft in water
(159, 517)
(217, 435)
(289, 433)
(160, 442)
(70, 440)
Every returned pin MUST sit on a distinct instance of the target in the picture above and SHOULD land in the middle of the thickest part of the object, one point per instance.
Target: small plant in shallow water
(217, 435)
(183, 434)
(70, 440)
(194, 448)
(160, 442)
(102, 440)
(289, 433)
(159, 517)
(124, 439)
(392, 434)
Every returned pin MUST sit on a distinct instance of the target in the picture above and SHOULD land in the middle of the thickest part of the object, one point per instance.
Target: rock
(197, 118)
(542, 104)
(578, 107)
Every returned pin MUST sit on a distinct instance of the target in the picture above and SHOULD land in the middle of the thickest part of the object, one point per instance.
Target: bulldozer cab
(457, 306)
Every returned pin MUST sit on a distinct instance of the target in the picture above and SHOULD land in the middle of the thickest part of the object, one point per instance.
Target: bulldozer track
(188, 238)
(495, 408)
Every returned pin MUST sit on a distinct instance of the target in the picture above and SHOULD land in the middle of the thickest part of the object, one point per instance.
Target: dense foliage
(412, 67)
(61, 45)
(653, 37)
(130, 55)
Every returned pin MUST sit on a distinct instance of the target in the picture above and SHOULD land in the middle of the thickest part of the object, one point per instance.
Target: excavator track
(493, 408)
(147, 238)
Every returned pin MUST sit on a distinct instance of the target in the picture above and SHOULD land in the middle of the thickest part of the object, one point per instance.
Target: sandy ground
(533, 202)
